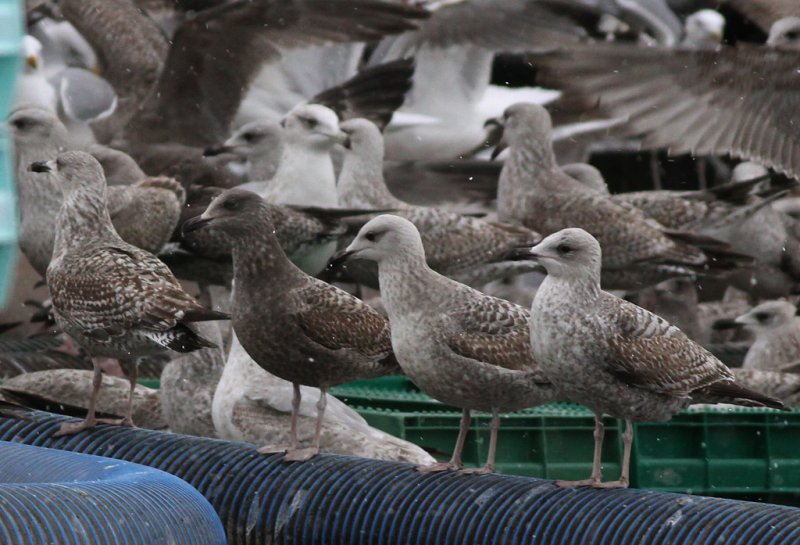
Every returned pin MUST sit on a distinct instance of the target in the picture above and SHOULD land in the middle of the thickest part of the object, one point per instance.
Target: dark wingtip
(185, 340)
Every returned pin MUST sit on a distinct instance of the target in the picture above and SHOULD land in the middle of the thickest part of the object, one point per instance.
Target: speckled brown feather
(652, 354)
(337, 320)
(121, 288)
(493, 331)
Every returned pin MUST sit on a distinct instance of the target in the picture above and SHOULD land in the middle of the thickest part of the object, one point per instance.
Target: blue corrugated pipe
(340, 500)
(52, 497)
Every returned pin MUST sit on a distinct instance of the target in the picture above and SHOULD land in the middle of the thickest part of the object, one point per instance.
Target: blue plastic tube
(54, 497)
(340, 500)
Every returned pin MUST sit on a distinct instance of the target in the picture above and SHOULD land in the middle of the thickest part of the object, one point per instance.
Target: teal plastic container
(11, 32)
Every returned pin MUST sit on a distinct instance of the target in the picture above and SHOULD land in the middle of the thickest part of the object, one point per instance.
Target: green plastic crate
(11, 31)
(730, 452)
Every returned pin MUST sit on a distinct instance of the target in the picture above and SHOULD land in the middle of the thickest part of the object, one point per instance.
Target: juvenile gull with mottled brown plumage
(293, 325)
(535, 192)
(613, 356)
(144, 214)
(467, 249)
(114, 299)
(457, 344)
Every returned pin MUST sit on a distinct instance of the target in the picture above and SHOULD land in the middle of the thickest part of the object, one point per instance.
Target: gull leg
(702, 180)
(455, 461)
(494, 431)
(303, 454)
(597, 471)
(655, 170)
(133, 375)
(90, 421)
(624, 477)
(272, 449)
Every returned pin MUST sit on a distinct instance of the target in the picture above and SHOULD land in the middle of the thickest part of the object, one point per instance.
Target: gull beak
(216, 149)
(95, 70)
(42, 166)
(32, 61)
(525, 253)
(744, 319)
(339, 258)
(347, 144)
(725, 323)
(195, 223)
(340, 137)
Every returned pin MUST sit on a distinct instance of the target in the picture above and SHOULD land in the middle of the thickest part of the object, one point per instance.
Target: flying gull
(613, 356)
(468, 249)
(533, 191)
(460, 346)
(114, 299)
(186, 90)
(453, 51)
(294, 326)
(674, 97)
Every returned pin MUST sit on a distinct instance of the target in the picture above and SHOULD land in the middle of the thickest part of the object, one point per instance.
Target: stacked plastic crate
(716, 451)
(10, 46)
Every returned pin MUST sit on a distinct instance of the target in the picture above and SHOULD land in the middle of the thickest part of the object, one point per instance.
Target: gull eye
(309, 122)
(792, 34)
(250, 137)
(20, 123)
(371, 236)
(231, 204)
(761, 316)
(563, 248)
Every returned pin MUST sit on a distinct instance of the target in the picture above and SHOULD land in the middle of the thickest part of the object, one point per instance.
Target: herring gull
(460, 346)
(535, 192)
(114, 299)
(468, 249)
(613, 356)
(294, 326)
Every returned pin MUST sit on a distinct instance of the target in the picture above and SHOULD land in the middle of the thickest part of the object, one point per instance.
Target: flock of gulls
(283, 197)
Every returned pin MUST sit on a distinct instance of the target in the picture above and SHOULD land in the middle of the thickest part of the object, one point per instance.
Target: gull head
(704, 28)
(363, 138)
(76, 170)
(313, 125)
(570, 253)
(525, 125)
(235, 211)
(587, 175)
(383, 238)
(681, 290)
(254, 139)
(33, 125)
(785, 33)
(768, 315)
